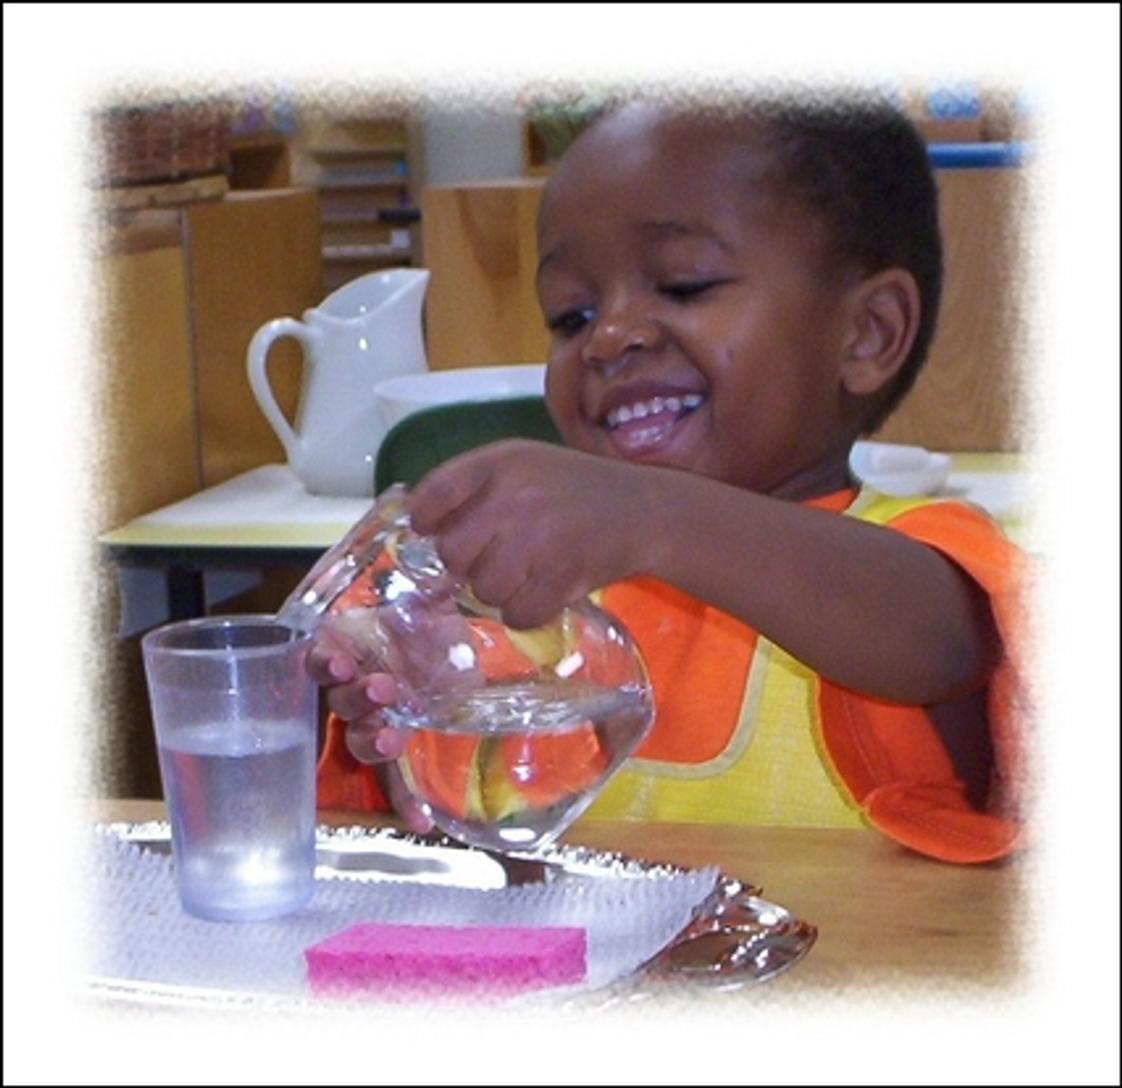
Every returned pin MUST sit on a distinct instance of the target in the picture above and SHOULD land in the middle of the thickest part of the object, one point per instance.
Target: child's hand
(533, 527)
(358, 699)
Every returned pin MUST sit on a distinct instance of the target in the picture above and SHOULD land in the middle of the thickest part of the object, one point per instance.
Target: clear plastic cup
(235, 715)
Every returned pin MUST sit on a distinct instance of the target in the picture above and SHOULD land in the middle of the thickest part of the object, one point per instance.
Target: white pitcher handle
(257, 358)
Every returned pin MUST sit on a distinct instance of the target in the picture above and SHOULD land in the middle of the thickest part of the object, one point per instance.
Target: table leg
(186, 592)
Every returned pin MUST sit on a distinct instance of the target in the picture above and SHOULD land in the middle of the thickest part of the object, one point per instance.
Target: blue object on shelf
(976, 156)
(958, 101)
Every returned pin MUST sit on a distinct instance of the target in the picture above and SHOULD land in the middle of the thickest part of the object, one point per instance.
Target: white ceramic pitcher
(367, 330)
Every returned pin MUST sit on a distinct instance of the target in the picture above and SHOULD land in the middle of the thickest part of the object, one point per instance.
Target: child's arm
(533, 527)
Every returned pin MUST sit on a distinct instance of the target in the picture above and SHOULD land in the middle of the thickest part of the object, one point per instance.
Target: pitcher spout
(359, 298)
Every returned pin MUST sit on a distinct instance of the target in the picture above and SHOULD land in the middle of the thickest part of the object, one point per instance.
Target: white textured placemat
(142, 935)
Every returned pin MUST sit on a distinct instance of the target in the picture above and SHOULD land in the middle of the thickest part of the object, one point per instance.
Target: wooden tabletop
(884, 914)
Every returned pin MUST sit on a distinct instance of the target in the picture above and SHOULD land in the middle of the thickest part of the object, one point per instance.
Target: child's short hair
(863, 167)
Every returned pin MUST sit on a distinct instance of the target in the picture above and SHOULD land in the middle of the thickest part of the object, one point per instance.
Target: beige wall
(480, 244)
(469, 145)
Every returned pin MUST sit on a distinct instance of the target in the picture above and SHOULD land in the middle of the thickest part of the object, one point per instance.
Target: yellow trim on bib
(774, 769)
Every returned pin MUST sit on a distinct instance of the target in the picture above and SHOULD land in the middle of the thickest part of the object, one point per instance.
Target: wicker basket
(164, 143)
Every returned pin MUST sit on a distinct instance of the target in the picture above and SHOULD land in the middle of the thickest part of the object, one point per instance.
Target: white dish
(899, 470)
(401, 396)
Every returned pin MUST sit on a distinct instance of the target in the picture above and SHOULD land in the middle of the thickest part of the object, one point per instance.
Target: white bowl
(399, 397)
(899, 470)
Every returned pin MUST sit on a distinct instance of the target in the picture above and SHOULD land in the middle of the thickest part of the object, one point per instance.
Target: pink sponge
(368, 957)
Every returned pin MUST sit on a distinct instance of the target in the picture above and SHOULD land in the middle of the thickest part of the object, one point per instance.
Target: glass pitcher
(509, 734)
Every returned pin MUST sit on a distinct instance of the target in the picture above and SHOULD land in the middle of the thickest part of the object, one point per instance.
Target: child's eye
(687, 289)
(569, 322)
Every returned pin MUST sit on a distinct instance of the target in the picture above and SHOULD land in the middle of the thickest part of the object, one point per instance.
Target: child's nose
(615, 338)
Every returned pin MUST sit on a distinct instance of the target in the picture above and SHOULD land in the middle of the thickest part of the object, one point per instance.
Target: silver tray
(735, 937)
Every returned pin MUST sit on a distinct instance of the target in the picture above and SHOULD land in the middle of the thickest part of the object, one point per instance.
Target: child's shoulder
(960, 530)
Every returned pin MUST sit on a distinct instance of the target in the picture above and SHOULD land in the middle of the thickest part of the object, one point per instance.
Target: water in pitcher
(224, 780)
(510, 765)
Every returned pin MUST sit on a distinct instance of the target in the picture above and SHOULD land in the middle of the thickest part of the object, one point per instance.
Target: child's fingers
(327, 666)
(370, 740)
(447, 488)
(361, 697)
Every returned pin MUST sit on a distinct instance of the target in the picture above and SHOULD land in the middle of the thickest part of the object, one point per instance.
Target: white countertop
(266, 506)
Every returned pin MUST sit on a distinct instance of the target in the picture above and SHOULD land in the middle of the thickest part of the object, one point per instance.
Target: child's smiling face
(695, 323)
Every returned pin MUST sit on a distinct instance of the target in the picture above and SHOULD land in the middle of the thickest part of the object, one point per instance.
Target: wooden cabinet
(362, 169)
(145, 396)
(971, 392)
(536, 157)
(184, 290)
(480, 244)
(253, 257)
(181, 291)
(260, 162)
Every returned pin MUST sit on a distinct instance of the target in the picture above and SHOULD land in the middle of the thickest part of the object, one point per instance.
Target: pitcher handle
(257, 359)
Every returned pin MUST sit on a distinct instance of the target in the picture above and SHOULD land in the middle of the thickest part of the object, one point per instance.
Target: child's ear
(884, 316)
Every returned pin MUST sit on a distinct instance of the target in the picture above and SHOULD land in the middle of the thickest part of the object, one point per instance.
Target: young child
(733, 299)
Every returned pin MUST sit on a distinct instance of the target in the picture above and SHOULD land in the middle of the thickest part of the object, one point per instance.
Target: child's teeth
(642, 409)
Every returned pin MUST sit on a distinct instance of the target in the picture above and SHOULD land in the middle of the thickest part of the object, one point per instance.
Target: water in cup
(243, 849)
(511, 765)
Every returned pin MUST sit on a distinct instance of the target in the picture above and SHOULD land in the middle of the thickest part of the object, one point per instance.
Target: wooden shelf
(389, 181)
(363, 253)
(261, 161)
(350, 219)
(535, 162)
(360, 166)
(362, 134)
(402, 215)
(128, 198)
(345, 154)
(258, 140)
